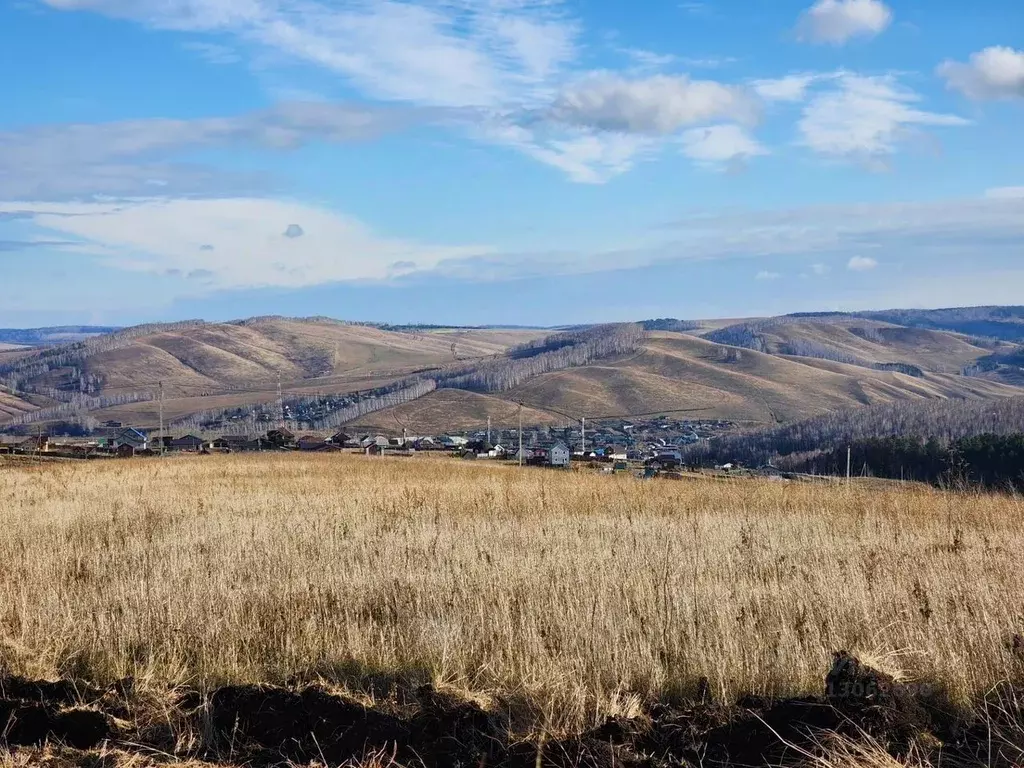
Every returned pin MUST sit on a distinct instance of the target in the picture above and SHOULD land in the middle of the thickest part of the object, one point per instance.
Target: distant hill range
(61, 334)
(428, 379)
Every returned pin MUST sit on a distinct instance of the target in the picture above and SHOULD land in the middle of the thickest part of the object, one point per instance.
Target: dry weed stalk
(560, 596)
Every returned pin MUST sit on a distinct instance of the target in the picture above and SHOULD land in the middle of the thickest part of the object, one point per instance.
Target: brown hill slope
(453, 409)
(12, 406)
(252, 355)
(860, 340)
(678, 372)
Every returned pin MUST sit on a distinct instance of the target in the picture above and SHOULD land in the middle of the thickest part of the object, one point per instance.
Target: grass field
(566, 596)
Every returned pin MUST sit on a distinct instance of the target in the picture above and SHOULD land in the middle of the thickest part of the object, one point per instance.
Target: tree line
(553, 353)
(987, 460)
(946, 421)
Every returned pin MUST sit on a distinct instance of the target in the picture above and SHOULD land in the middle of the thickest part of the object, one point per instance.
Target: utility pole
(583, 434)
(161, 419)
(520, 434)
(488, 430)
(280, 402)
(849, 457)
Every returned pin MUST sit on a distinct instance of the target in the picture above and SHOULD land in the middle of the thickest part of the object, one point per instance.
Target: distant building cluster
(657, 443)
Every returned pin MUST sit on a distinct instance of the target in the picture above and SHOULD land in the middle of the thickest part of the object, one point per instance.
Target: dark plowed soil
(270, 726)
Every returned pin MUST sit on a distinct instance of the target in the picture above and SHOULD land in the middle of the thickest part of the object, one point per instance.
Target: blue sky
(507, 161)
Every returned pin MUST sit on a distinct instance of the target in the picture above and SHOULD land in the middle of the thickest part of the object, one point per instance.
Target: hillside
(11, 406)
(858, 341)
(766, 371)
(453, 409)
(207, 358)
(676, 371)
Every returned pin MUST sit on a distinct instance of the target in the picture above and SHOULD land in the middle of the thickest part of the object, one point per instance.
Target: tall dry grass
(577, 594)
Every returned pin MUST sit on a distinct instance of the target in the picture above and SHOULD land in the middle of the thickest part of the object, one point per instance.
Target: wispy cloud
(865, 118)
(994, 73)
(838, 21)
(437, 53)
(766, 275)
(720, 145)
(861, 264)
(1005, 193)
(213, 52)
(233, 243)
(130, 157)
(791, 88)
(243, 242)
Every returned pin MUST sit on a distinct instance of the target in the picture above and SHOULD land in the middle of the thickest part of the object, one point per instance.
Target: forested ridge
(942, 421)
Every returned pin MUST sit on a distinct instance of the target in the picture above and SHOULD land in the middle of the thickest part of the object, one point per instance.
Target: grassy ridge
(568, 593)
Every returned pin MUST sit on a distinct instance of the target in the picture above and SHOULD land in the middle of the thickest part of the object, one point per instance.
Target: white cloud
(861, 264)
(586, 157)
(1005, 193)
(643, 59)
(820, 269)
(994, 73)
(129, 157)
(659, 105)
(865, 118)
(436, 52)
(765, 275)
(792, 88)
(720, 144)
(839, 21)
(233, 243)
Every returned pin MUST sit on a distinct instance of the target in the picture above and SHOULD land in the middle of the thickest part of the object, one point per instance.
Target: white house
(559, 455)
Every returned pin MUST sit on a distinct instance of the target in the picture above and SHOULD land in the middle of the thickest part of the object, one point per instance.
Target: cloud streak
(233, 243)
(435, 53)
(129, 157)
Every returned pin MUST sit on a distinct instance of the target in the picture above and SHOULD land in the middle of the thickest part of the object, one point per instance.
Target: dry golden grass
(572, 595)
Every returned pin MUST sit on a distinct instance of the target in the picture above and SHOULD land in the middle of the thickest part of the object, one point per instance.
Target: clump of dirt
(874, 703)
(270, 726)
(29, 723)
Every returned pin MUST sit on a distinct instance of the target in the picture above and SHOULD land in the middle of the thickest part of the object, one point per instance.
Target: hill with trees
(767, 372)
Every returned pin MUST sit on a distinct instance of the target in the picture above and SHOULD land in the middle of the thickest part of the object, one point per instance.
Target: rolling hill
(198, 358)
(205, 366)
(765, 371)
(675, 371)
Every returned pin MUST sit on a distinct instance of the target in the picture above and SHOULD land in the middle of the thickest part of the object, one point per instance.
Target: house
(186, 443)
(311, 443)
(232, 443)
(339, 438)
(131, 437)
(281, 438)
(376, 441)
(559, 455)
(669, 459)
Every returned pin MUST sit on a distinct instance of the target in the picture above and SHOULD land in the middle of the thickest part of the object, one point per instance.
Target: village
(657, 443)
